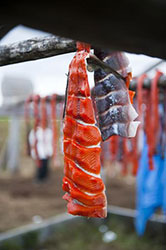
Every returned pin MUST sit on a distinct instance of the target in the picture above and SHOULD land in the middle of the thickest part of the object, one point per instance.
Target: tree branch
(35, 48)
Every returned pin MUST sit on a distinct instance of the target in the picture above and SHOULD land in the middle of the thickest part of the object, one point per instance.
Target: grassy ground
(87, 236)
(3, 131)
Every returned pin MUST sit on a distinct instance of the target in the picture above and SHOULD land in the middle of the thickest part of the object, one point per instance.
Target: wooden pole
(35, 48)
(48, 46)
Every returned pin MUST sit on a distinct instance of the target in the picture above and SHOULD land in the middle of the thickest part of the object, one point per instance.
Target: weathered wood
(35, 48)
(38, 48)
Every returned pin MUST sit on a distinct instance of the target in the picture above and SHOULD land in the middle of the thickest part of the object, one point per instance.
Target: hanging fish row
(44, 112)
(85, 191)
(151, 106)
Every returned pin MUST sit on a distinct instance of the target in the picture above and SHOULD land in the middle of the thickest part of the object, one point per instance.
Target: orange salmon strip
(84, 135)
(87, 158)
(84, 181)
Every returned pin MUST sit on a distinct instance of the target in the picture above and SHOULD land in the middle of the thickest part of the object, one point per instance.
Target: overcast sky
(49, 75)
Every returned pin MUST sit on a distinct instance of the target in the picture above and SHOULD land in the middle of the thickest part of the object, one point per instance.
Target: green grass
(10, 246)
(86, 235)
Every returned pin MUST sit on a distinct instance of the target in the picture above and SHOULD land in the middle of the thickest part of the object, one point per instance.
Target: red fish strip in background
(163, 126)
(85, 190)
(144, 100)
(135, 154)
(134, 141)
(43, 112)
(54, 128)
(154, 112)
(113, 147)
(126, 156)
(36, 100)
(151, 126)
(148, 128)
(27, 124)
(140, 99)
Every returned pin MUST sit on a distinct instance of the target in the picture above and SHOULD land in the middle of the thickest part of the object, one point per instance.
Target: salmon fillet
(85, 190)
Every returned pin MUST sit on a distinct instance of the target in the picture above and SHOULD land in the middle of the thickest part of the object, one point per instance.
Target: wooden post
(13, 148)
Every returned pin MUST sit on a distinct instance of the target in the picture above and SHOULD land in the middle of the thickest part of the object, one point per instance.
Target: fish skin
(110, 84)
(119, 98)
(118, 114)
(121, 129)
(114, 109)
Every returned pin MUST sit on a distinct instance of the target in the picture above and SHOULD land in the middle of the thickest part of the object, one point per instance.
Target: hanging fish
(140, 97)
(163, 126)
(135, 155)
(54, 128)
(144, 110)
(141, 107)
(155, 112)
(137, 141)
(36, 100)
(116, 114)
(127, 157)
(27, 124)
(85, 190)
(152, 119)
(43, 112)
(148, 127)
(149, 98)
(113, 147)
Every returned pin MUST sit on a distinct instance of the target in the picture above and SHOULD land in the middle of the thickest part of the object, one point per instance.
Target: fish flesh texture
(113, 99)
(85, 190)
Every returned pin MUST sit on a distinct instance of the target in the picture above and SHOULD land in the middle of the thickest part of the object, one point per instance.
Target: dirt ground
(22, 198)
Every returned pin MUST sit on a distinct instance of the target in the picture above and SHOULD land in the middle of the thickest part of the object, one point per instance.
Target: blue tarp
(164, 188)
(151, 188)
